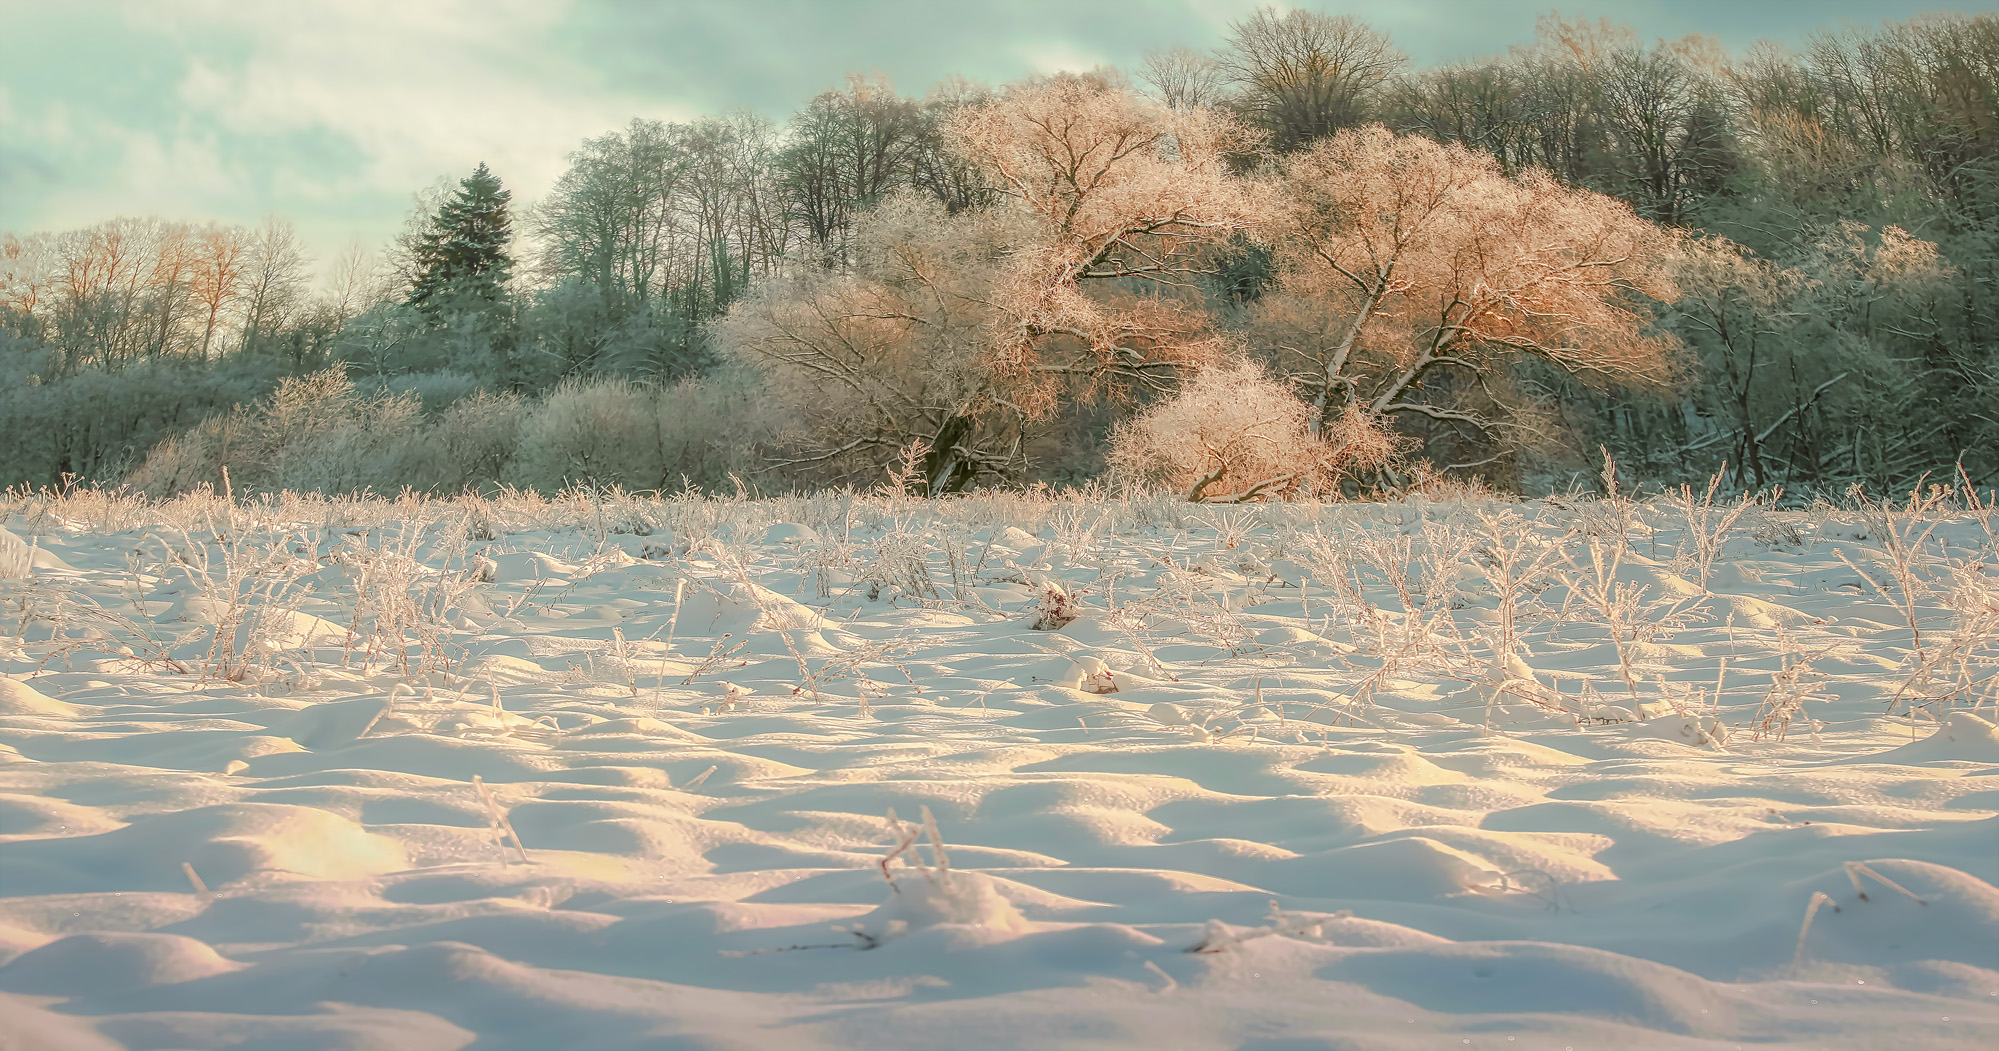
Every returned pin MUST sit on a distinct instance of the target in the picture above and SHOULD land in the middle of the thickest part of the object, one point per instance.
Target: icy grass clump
(940, 897)
(15, 558)
(968, 904)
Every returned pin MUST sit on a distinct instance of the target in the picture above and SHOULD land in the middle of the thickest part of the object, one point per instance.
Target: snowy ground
(527, 775)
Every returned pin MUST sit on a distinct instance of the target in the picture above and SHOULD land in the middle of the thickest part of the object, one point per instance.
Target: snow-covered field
(618, 774)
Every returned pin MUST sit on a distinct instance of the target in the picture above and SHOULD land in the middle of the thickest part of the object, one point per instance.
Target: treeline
(1798, 256)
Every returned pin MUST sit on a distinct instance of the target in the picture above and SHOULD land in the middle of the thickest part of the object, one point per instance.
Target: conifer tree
(463, 255)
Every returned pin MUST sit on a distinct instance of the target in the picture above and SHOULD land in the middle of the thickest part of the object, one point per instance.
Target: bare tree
(118, 291)
(761, 226)
(1180, 78)
(937, 168)
(352, 284)
(1922, 92)
(848, 149)
(733, 208)
(275, 283)
(1663, 108)
(679, 216)
(1301, 76)
(1485, 105)
(221, 259)
(615, 218)
(168, 285)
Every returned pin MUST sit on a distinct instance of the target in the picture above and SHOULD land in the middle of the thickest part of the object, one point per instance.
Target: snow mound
(789, 533)
(1954, 917)
(223, 843)
(1536, 978)
(15, 560)
(741, 609)
(329, 724)
(19, 698)
(1961, 737)
(111, 962)
(1081, 672)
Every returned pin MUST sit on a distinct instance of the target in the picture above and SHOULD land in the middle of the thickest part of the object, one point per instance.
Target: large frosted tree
(1414, 276)
(963, 333)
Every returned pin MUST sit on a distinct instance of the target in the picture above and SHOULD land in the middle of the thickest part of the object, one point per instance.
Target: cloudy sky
(334, 112)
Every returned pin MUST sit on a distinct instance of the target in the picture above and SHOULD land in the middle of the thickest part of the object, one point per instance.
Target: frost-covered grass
(601, 770)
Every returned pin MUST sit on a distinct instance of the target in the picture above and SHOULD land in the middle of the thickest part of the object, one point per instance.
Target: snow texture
(1279, 783)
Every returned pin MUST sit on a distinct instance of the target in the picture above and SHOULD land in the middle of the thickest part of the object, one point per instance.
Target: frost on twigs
(1307, 926)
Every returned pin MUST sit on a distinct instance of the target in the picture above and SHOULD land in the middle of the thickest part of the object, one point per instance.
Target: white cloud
(332, 114)
(419, 88)
(1058, 56)
(1218, 14)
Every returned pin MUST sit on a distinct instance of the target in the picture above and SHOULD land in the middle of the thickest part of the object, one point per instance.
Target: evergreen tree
(463, 256)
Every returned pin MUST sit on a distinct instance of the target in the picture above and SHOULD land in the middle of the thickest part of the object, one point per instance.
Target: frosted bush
(1232, 435)
(437, 390)
(318, 434)
(93, 426)
(597, 433)
(314, 433)
(642, 436)
(366, 444)
(476, 439)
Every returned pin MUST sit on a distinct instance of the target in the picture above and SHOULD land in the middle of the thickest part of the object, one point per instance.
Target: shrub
(314, 433)
(643, 436)
(92, 426)
(596, 432)
(1233, 435)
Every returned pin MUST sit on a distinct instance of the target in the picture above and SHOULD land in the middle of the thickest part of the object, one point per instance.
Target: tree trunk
(944, 466)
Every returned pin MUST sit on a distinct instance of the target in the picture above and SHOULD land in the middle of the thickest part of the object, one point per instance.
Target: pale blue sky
(333, 113)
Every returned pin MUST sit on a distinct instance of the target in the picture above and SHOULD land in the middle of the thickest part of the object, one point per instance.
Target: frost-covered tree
(964, 332)
(1122, 203)
(890, 355)
(1414, 275)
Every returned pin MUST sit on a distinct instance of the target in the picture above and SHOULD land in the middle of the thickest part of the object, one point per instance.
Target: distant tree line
(1784, 262)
